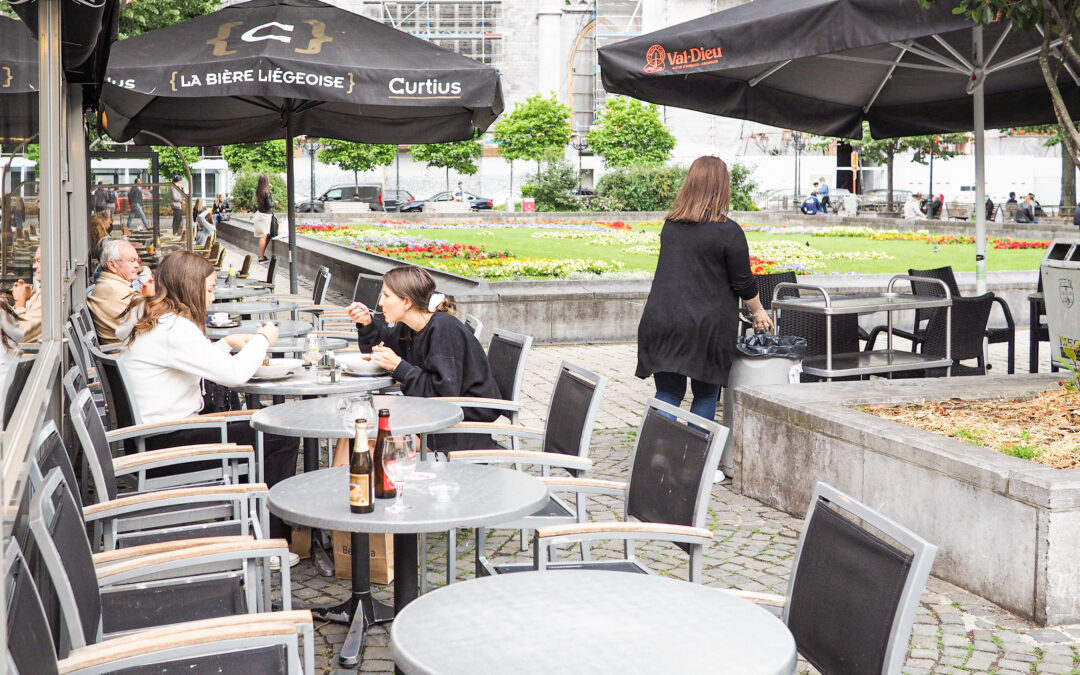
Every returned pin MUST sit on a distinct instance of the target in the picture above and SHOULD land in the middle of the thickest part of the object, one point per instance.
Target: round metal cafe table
(253, 307)
(588, 622)
(322, 418)
(286, 329)
(299, 344)
(304, 382)
(235, 293)
(486, 496)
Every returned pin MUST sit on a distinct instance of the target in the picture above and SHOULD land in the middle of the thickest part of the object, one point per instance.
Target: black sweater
(443, 359)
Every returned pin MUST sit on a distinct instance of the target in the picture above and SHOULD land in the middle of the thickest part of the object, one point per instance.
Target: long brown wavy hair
(706, 193)
(417, 285)
(180, 289)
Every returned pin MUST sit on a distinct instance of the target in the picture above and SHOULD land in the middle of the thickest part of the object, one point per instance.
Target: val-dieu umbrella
(270, 69)
(825, 66)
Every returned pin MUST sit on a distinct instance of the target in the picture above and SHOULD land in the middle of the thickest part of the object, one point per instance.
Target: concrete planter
(1008, 529)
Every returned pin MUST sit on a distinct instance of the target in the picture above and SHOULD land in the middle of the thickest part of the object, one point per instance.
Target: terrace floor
(955, 631)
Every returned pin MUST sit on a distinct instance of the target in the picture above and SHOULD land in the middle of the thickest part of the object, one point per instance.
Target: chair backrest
(767, 283)
(852, 595)
(367, 289)
(29, 638)
(95, 444)
(77, 348)
(271, 269)
(121, 408)
(14, 382)
(53, 454)
(322, 285)
(474, 324)
(507, 355)
(57, 526)
(87, 320)
(572, 410)
(672, 466)
(932, 290)
(968, 324)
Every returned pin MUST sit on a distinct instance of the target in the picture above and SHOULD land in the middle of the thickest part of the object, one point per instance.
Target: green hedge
(551, 187)
(243, 192)
(654, 189)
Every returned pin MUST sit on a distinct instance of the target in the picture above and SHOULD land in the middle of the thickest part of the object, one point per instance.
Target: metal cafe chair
(665, 499)
(474, 324)
(854, 587)
(270, 642)
(564, 441)
(138, 588)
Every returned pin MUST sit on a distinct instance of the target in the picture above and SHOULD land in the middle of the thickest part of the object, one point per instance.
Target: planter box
(1008, 529)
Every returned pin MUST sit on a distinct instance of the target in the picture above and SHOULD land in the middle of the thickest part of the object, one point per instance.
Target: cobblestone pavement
(955, 631)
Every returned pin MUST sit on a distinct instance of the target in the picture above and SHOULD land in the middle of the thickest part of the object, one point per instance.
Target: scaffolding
(616, 20)
(472, 28)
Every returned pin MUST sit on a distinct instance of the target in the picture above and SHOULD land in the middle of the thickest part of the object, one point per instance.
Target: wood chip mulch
(1044, 427)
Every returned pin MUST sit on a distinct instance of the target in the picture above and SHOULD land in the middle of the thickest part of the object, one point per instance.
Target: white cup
(220, 318)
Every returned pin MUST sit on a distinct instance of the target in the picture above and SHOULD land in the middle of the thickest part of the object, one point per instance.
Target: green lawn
(905, 254)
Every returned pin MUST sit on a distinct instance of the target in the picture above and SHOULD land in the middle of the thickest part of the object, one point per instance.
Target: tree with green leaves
(460, 156)
(1053, 135)
(533, 130)
(144, 16)
(265, 157)
(630, 132)
(169, 163)
(1056, 20)
(356, 157)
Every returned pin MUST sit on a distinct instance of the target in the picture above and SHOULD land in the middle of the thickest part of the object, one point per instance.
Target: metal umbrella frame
(904, 69)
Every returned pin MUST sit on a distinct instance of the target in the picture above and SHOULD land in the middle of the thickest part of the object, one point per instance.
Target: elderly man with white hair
(116, 288)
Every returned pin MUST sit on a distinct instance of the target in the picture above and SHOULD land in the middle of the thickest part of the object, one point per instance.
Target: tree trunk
(889, 154)
(356, 181)
(1068, 182)
(510, 197)
(448, 179)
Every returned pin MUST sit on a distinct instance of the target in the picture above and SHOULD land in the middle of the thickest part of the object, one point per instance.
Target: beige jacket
(111, 297)
(30, 318)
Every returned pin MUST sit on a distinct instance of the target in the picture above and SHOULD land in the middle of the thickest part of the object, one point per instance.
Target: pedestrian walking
(135, 205)
(177, 203)
(823, 195)
(265, 223)
(691, 318)
(100, 198)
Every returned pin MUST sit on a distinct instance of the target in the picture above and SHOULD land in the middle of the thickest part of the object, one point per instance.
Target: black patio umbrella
(825, 66)
(270, 69)
(18, 81)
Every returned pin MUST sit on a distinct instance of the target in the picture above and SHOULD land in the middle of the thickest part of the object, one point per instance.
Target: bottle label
(359, 489)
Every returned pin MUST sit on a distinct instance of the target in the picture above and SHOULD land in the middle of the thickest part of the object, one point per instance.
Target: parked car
(581, 191)
(475, 203)
(370, 193)
(392, 198)
(878, 200)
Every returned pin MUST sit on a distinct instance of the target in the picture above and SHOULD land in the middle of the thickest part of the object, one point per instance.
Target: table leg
(406, 572)
(1033, 340)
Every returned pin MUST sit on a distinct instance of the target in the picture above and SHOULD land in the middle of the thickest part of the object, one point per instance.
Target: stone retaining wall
(1008, 529)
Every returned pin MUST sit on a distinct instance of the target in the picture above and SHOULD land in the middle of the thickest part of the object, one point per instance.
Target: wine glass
(399, 459)
(313, 351)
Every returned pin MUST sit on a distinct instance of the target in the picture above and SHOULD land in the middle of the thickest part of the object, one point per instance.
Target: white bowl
(278, 368)
(361, 364)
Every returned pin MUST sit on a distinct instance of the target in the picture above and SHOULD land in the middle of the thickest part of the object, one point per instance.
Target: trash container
(1061, 288)
(761, 359)
(851, 205)
(528, 205)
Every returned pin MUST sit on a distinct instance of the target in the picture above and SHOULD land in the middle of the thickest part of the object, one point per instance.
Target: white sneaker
(275, 561)
(719, 476)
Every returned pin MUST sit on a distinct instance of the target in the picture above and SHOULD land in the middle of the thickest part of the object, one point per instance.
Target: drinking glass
(358, 406)
(313, 350)
(399, 459)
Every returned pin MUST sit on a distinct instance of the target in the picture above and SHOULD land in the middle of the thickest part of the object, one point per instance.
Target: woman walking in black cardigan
(691, 319)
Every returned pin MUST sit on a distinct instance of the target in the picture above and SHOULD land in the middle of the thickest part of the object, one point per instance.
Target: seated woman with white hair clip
(428, 349)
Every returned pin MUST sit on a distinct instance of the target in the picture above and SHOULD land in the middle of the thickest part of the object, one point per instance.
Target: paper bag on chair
(300, 541)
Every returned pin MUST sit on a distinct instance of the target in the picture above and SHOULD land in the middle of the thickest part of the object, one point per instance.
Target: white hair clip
(434, 302)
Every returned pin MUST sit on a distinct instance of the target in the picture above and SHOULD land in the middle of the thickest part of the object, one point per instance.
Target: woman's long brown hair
(417, 285)
(180, 289)
(706, 193)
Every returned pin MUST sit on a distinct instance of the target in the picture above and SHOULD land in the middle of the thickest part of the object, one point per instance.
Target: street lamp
(313, 146)
(795, 139)
(579, 143)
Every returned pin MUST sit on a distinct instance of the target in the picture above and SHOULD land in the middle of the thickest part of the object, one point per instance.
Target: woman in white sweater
(169, 355)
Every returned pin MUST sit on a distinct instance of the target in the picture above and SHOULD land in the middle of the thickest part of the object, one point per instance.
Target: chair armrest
(113, 348)
(123, 571)
(318, 308)
(871, 337)
(140, 430)
(167, 640)
(490, 428)
(119, 554)
(188, 495)
(591, 486)
(497, 456)
(767, 599)
(554, 535)
(998, 300)
(183, 454)
(347, 335)
(476, 402)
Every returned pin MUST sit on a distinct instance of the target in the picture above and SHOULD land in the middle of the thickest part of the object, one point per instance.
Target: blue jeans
(136, 209)
(671, 388)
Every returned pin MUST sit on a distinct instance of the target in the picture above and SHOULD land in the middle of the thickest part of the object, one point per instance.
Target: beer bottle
(384, 487)
(361, 498)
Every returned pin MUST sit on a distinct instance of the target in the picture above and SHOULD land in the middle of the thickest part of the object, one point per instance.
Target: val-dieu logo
(655, 59)
(1065, 290)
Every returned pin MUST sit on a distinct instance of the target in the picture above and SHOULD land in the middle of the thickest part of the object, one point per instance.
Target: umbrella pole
(980, 165)
(290, 189)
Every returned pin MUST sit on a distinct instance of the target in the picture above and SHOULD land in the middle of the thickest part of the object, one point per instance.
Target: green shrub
(551, 187)
(243, 192)
(639, 189)
(742, 186)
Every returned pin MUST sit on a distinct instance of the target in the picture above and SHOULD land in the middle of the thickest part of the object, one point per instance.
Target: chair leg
(423, 564)
(1012, 355)
(451, 557)
(481, 546)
